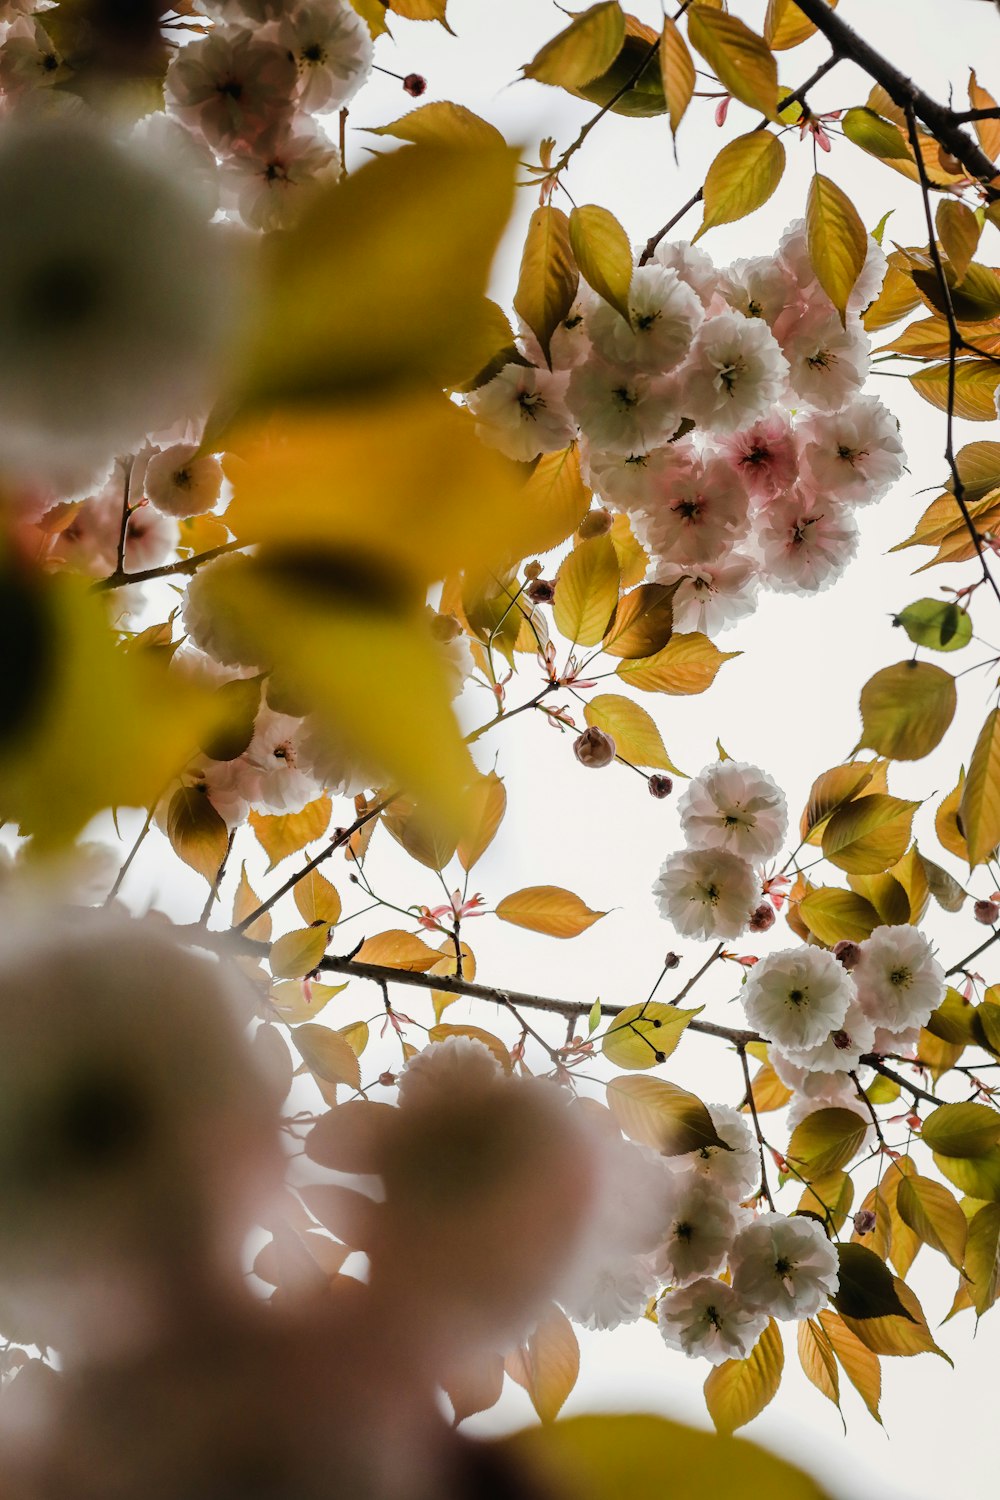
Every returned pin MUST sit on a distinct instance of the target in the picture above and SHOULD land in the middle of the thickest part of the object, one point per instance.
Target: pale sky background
(789, 703)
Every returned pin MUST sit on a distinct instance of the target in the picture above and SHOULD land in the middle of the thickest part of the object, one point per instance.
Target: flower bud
(847, 953)
(415, 84)
(762, 918)
(864, 1221)
(660, 786)
(986, 912)
(594, 748)
(533, 570)
(445, 628)
(672, 961)
(595, 523)
(541, 590)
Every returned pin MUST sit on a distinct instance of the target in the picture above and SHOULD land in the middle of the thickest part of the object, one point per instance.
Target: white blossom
(806, 542)
(231, 86)
(785, 1267)
(692, 264)
(734, 806)
(695, 514)
(707, 893)
(734, 374)
(709, 1320)
(332, 50)
(898, 978)
(700, 1229)
(712, 595)
(827, 363)
(765, 455)
(838, 1053)
(284, 784)
(854, 455)
(458, 1065)
(181, 481)
(734, 1173)
(271, 183)
(797, 997)
(618, 1293)
(665, 314)
(757, 288)
(521, 411)
(621, 410)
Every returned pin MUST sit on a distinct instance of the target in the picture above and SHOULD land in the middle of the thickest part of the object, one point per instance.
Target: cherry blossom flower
(709, 1320)
(797, 997)
(569, 344)
(806, 543)
(827, 363)
(29, 59)
(282, 783)
(734, 806)
(231, 86)
(695, 513)
(272, 182)
(828, 1088)
(332, 50)
(734, 1172)
(665, 314)
(707, 893)
(757, 288)
(712, 595)
(521, 411)
(784, 1266)
(840, 1052)
(700, 1230)
(457, 1065)
(622, 410)
(898, 978)
(855, 454)
(692, 265)
(181, 481)
(765, 455)
(618, 1292)
(734, 374)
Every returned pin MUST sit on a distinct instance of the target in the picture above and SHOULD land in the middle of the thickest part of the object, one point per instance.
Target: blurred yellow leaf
(548, 1364)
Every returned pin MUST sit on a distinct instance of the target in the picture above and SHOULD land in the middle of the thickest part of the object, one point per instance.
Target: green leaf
(826, 1140)
(978, 1176)
(982, 1257)
(587, 591)
(739, 58)
(643, 622)
(636, 737)
(833, 915)
(838, 241)
(954, 1021)
(906, 709)
(938, 623)
(867, 1287)
(739, 1389)
(549, 277)
(643, 1036)
(659, 1114)
(875, 135)
(603, 253)
(867, 836)
(742, 178)
(962, 1130)
(677, 71)
(583, 51)
(958, 230)
(979, 807)
(932, 1213)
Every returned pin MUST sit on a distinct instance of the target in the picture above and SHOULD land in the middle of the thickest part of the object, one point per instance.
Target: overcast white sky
(789, 703)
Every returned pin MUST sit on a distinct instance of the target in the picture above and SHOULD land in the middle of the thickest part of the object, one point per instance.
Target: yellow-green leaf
(677, 71)
(932, 1213)
(976, 381)
(739, 58)
(442, 122)
(833, 915)
(687, 664)
(556, 497)
(965, 1129)
(636, 737)
(988, 131)
(742, 178)
(826, 1140)
(958, 230)
(818, 1361)
(785, 26)
(643, 622)
(548, 909)
(659, 1114)
(302, 999)
(979, 808)
(906, 709)
(549, 277)
(982, 1256)
(317, 900)
(247, 901)
(424, 838)
(583, 51)
(860, 1365)
(869, 835)
(838, 240)
(940, 624)
(298, 953)
(587, 591)
(739, 1389)
(603, 253)
(643, 1036)
(282, 834)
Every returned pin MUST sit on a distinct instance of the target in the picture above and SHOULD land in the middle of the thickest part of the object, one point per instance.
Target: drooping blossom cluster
(726, 417)
(734, 819)
(822, 1011)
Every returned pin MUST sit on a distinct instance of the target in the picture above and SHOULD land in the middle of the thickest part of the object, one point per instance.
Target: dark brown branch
(874, 1061)
(118, 579)
(962, 967)
(765, 1186)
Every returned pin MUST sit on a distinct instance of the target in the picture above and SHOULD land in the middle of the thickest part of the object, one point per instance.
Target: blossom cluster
(725, 416)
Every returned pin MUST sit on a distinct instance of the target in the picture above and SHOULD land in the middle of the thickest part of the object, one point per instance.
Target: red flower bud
(660, 786)
(415, 84)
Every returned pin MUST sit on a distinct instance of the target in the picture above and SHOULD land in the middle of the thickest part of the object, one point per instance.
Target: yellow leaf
(302, 999)
(356, 1035)
(317, 900)
(423, 838)
(583, 51)
(785, 26)
(677, 71)
(818, 1361)
(869, 835)
(246, 901)
(487, 805)
(328, 1054)
(831, 790)
(421, 10)
(644, 1458)
(441, 122)
(826, 1140)
(988, 131)
(739, 58)
(979, 807)
(393, 319)
(396, 949)
(833, 915)
(643, 622)
(548, 279)
(298, 953)
(633, 84)
(897, 1334)
(659, 1114)
(282, 834)
(976, 381)
(86, 725)
(632, 557)
(838, 241)
(898, 296)
(946, 824)
(636, 737)
(982, 1256)
(373, 13)
(861, 1365)
(603, 253)
(687, 664)
(933, 1214)
(643, 1036)
(958, 230)
(768, 1090)
(556, 498)
(196, 832)
(830, 1195)
(548, 909)
(442, 1031)
(548, 1364)
(447, 965)
(587, 591)
(739, 1389)
(741, 178)
(906, 709)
